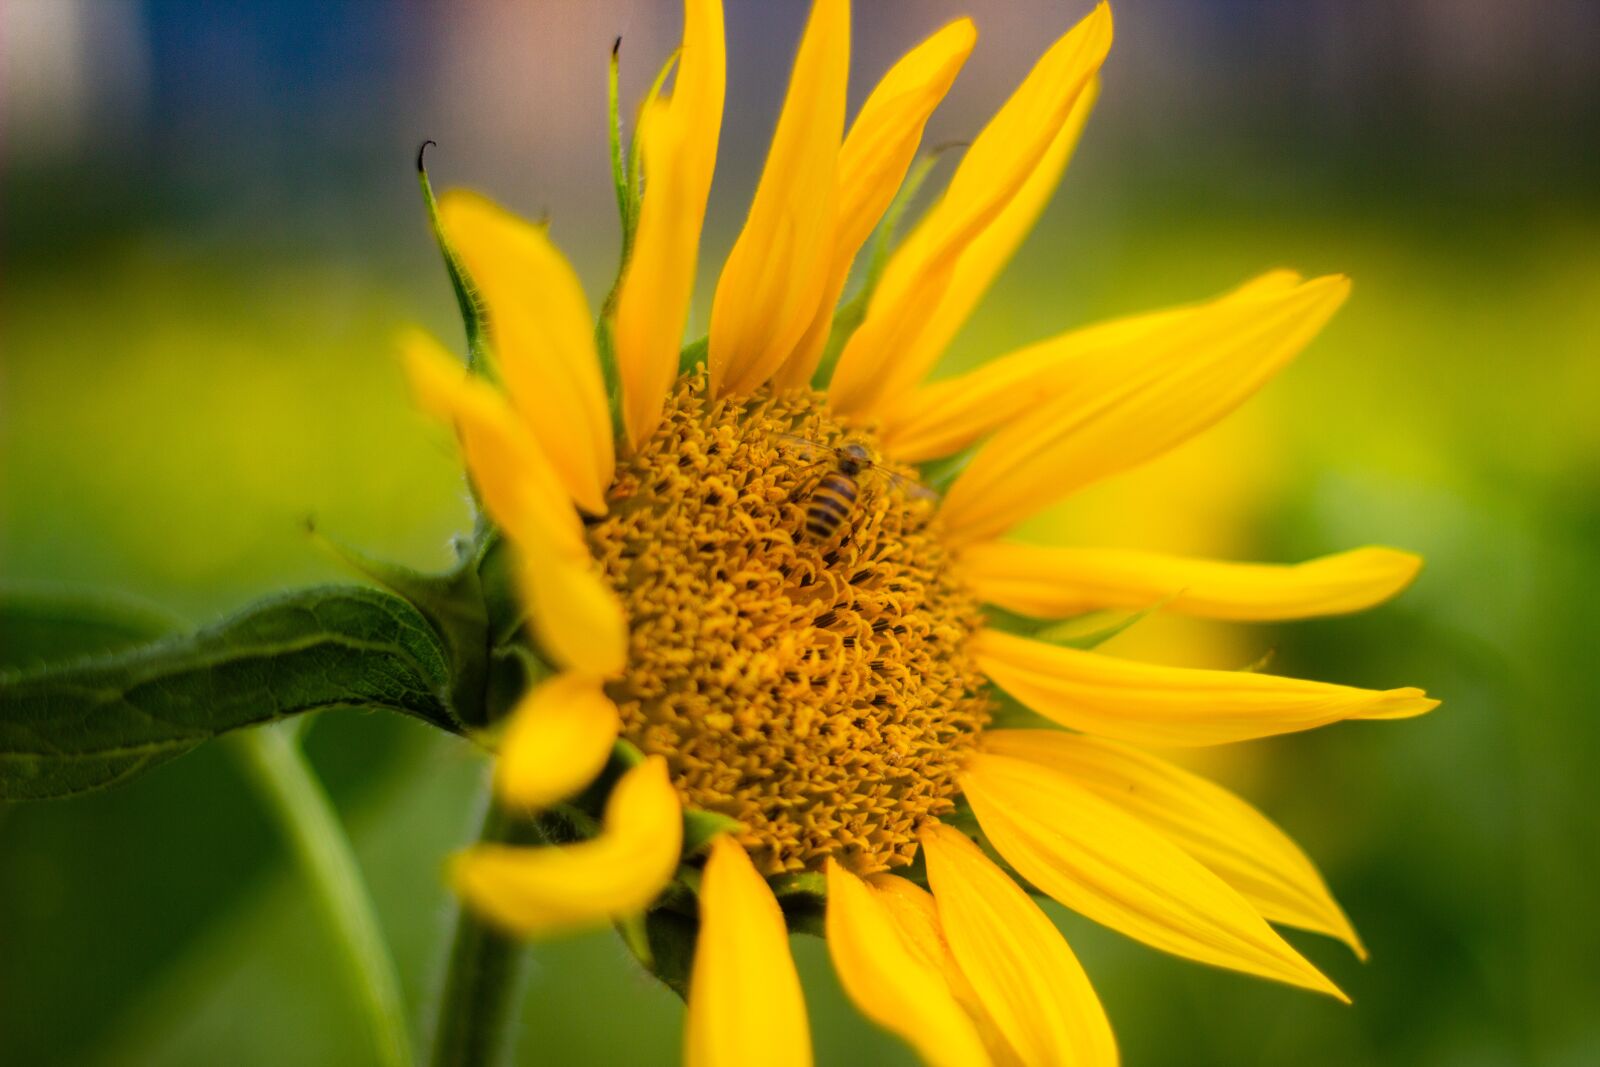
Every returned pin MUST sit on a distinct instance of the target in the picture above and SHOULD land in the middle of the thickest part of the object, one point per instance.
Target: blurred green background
(211, 231)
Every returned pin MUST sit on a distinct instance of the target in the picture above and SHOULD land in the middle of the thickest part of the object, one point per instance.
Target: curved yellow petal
(576, 616)
(745, 1003)
(873, 162)
(1105, 864)
(881, 360)
(916, 917)
(941, 418)
(543, 339)
(558, 738)
(992, 249)
(543, 890)
(1132, 403)
(1047, 581)
(891, 981)
(680, 153)
(1017, 961)
(1148, 704)
(773, 279)
(518, 485)
(1230, 837)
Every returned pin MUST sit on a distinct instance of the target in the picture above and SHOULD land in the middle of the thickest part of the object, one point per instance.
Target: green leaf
(39, 628)
(93, 722)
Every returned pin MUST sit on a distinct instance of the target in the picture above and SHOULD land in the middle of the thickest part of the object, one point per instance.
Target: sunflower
(733, 565)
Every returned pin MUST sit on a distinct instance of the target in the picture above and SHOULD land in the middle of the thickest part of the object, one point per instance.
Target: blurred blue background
(211, 230)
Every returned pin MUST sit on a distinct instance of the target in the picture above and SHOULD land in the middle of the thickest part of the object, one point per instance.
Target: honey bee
(831, 497)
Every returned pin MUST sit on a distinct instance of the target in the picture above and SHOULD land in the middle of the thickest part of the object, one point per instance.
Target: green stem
(477, 1005)
(323, 849)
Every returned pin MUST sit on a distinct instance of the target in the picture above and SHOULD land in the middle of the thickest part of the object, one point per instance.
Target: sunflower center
(797, 640)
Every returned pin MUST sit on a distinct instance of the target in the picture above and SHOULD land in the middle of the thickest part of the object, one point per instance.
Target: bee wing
(803, 447)
(911, 488)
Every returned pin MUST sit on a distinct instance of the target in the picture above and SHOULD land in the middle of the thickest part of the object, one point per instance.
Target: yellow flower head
(730, 564)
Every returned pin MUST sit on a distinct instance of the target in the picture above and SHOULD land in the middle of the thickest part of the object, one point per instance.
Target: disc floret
(814, 689)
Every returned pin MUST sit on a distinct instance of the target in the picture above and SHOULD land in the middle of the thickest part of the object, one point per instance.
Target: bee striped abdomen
(830, 505)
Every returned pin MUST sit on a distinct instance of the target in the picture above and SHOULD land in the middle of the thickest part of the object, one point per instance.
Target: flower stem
(483, 978)
(306, 814)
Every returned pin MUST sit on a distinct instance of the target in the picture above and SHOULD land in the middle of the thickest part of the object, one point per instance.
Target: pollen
(816, 689)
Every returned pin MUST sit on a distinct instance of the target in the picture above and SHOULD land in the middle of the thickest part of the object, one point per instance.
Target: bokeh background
(211, 230)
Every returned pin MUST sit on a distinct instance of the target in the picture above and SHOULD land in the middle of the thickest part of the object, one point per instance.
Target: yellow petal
(1017, 961)
(576, 617)
(542, 890)
(1052, 582)
(1107, 865)
(773, 279)
(1230, 837)
(873, 162)
(1148, 704)
(892, 983)
(916, 918)
(992, 249)
(881, 360)
(1133, 403)
(943, 417)
(680, 152)
(558, 738)
(543, 339)
(518, 485)
(745, 1003)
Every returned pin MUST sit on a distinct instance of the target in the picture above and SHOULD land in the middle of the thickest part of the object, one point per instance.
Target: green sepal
(670, 939)
(692, 355)
(472, 313)
(628, 182)
(497, 579)
(813, 884)
(1011, 714)
(849, 314)
(846, 318)
(515, 664)
(940, 474)
(1095, 629)
(804, 900)
(605, 350)
(95, 721)
(699, 827)
(619, 166)
(1083, 632)
(627, 754)
(452, 603)
(1261, 662)
(883, 241)
(634, 930)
